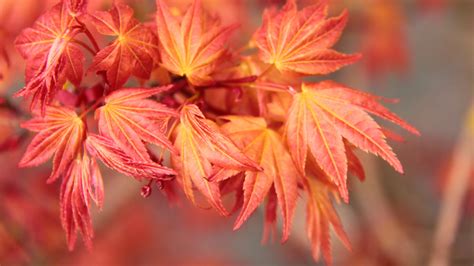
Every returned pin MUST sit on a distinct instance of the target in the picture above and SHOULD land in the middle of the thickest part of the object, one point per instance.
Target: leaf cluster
(231, 125)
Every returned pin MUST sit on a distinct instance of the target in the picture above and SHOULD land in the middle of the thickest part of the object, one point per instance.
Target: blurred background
(419, 51)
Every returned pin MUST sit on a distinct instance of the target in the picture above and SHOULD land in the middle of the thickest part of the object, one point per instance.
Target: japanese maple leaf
(82, 182)
(203, 147)
(266, 147)
(191, 46)
(320, 216)
(325, 113)
(52, 54)
(60, 133)
(129, 119)
(134, 50)
(301, 41)
(113, 157)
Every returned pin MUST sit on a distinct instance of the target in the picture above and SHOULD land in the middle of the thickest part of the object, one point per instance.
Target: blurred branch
(380, 217)
(456, 188)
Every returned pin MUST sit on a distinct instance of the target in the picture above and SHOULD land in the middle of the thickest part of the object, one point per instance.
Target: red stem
(88, 34)
(87, 47)
(92, 107)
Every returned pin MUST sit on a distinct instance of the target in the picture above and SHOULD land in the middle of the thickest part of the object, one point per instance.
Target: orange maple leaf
(190, 47)
(324, 113)
(129, 119)
(203, 147)
(133, 52)
(60, 132)
(300, 41)
(266, 147)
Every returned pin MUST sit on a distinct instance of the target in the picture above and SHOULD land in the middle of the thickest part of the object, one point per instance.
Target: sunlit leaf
(323, 114)
(202, 146)
(264, 146)
(192, 45)
(301, 41)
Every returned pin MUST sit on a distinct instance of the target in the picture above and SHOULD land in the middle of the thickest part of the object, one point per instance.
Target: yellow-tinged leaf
(202, 147)
(325, 113)
(60, 132)
(190, 47)
(130, 119)
(265, 146)
(301, 41)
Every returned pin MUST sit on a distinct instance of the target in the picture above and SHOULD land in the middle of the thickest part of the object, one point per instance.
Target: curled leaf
(82, 182)
(53, 56)
(202, 146)
(113, 157)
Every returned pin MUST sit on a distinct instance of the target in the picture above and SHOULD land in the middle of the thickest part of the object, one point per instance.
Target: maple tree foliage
(214, 121)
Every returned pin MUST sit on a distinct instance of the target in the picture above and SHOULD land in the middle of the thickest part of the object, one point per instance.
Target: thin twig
(451, 207)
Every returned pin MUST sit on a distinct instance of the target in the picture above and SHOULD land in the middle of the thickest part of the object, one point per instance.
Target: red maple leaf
(320, 216)
(133, 52)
